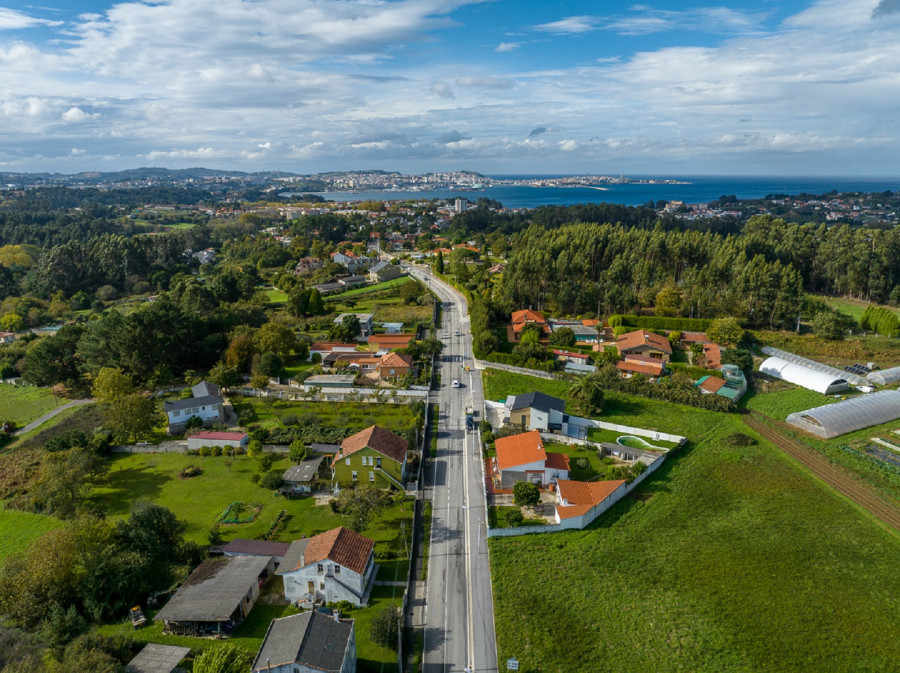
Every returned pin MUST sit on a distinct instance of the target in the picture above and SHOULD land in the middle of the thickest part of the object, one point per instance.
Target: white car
(456, 384)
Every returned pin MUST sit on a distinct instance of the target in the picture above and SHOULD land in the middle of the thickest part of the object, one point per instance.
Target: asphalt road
(459, 610)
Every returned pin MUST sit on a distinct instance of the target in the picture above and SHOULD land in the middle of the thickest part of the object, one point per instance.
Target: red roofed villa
(522, 458)
(585, 499)
(527, 317)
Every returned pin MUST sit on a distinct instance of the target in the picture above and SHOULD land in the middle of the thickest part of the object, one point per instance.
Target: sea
(696, 190)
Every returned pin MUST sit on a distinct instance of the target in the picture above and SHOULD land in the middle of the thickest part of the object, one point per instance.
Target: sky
(768, 87)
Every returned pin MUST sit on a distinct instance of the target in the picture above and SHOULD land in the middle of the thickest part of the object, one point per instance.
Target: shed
(856, 413)
(885, 377)
(801, 375)
(209, 438)
(155, 658)
(243, 547)
(309, 641)
(300, 478)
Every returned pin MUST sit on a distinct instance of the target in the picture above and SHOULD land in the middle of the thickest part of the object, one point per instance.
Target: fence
(579, 522)
(321, 394)
(484, 364)
(627, 429)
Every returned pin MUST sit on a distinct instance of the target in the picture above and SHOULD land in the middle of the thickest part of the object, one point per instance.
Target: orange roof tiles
(694, 337)
(712, 384)
(342, 546)
(396, 360)
(569, 354)
(520, 449)
(583, 495)
(590, 322)
(713, 356)
(639, 368)
(557, 461)
(375, 438)
(391, 340)
(527, 315)
(643, 337)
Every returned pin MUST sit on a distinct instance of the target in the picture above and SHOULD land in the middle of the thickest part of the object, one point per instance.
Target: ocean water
(699, 190)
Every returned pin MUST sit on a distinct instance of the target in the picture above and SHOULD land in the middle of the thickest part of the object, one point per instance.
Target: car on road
(457, 333)
(456, 384)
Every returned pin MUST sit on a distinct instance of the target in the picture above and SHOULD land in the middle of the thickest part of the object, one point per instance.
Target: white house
(7, 337)
(337, 565)
(537, 411)
(522, 458)
(351, 261)
(310, 642)
(207, 404)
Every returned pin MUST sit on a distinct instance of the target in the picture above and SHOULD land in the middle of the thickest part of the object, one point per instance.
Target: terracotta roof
(557, 461)
(378, 439)
(330, 345)
(396, 360)
(392, 340)
(713, 355)
(339, 545)
(643, 359)
(638, 368)
(642, 337)
(582, 496)
(694, 337)
(590, 322)
(527, 315)
(209, 434)
(711, 384)
(520, 449)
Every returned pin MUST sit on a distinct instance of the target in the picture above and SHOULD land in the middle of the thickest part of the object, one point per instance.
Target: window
(347, 462)
(353, 475)
(320, 568)
(195, 410)
(322, 585)
(337, 570)
(176, 414)
(371, 476)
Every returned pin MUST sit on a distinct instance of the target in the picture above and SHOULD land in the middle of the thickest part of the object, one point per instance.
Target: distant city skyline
(514, 87)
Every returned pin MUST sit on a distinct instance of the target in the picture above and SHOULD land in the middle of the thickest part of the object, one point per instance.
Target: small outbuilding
(301, 478)
(243, 547)
(310, 642)
(223, 439)
(155, 658)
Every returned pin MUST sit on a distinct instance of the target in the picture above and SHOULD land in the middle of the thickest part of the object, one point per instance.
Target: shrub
(514, 518)
(216, 451)
(272, 480)
(526, 494)
(290, 419)
(206, 450)
(190, 471)
(582, 463)
(737, 439)
(193, 421)
(254, 477)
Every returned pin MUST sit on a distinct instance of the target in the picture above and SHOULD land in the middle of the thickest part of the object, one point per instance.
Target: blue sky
(502, 86)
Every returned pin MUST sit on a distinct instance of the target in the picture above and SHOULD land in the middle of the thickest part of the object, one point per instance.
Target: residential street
(459, 613)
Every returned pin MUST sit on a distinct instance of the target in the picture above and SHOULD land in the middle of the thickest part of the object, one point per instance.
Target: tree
(132, 416)
(385, 627)
(225, 376)
(254, 448)
(359, 505)
(829, 325)
(110, 385)
(347, 330)
(270, 364)
(526, 494)
(53, 359)
(564, 337)
(259, 380)
(12, 322)
(725, 331)
(586, 394)
(668, 301)
(439, 263)
(737, 356)
(272, 480)
(410, 292)
(297, 451)
(240, 350)
(225, 658)
(275, 337)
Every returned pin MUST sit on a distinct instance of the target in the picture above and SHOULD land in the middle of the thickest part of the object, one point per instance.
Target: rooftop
(340, 545)
(305, 471)
(643, 337)
(211, 434)
(243, 547)
(214, 590)
(311, 639)
(535, 400)
(155, 658)
(378, 439)
(581, 496)
(520, 449)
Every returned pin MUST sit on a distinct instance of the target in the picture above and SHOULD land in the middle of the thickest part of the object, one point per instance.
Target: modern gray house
(207, 404)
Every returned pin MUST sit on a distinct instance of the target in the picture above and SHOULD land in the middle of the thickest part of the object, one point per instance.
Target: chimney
(337, 616)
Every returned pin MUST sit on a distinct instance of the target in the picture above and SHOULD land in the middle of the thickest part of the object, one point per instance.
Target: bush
(206, 450)
(526, 494)
(290, 419)
(737, 439)
(514, 518)
(254, 477)
(582, 463)
(216, 451)
(272, 480)
(193, 421)
(190, 471)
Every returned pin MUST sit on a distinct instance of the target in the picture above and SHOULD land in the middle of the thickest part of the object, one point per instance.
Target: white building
(537, 411)
(223, 439)
(365, 322)
(522, 458)
(338, 565)
(207, 404)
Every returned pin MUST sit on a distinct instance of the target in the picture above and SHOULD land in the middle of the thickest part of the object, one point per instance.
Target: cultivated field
(394, 417)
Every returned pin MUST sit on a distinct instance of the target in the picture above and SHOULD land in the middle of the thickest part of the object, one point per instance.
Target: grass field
(499, 385)
(884, 351)
(200, 500)
(391, 416)
(384, 303)
(852, 307)
(23, 404)
(574, 452)
(780, 403)
(275, 295)
(19, 529)
(396, 283)
(727, 560)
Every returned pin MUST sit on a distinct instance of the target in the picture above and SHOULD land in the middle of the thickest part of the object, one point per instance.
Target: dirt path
(50, 414)
(838, 478)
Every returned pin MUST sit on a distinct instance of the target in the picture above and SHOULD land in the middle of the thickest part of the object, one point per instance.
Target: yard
(23, 404)
(574, 451)
(267, 413)
(707, 568)
(384, 303)
(778, 404)
(20, 529)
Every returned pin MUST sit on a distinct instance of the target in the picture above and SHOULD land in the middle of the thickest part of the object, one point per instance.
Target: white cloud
(75, 115)
(572, 25)
(11, 19)
(505, 47)
(568, 145)
(484, 82)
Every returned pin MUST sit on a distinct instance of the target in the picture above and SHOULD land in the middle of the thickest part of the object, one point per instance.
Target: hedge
(694, 372)
(656, 322)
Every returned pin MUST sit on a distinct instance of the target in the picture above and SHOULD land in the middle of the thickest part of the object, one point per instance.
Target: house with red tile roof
(522, 458)
(394, 365)
(628, 368)
(712, 356)
(528, 317)
(373, 455)
(644, 343)
(337, 565)
(585, 500)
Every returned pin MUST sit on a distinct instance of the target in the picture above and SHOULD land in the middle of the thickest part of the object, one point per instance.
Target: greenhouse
(885, 377)
(852, 379)
(804, 377)
(856, 413)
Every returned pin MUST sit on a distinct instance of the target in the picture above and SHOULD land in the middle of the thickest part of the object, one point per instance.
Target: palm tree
(586, 394)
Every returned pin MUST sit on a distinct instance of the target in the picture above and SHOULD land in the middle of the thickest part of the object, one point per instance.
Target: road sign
(512, 664)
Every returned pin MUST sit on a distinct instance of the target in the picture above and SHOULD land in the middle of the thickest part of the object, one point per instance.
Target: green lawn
(851, 307)
(85, 418)
(497, 517)
(370, 289)
(727, 560)
(276, 296)
(395, 417)
(499, 385)
(780, 403)
(575, 452)
(23, 404)
(20, 529)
